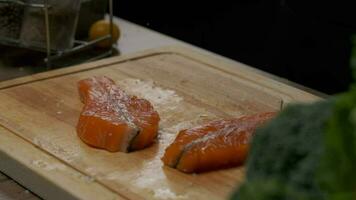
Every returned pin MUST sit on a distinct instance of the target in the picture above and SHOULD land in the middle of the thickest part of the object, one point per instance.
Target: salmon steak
(218, 144)
(114, 120)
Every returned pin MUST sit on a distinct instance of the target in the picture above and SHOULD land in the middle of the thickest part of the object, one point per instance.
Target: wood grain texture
(45, 175)
(186, 88)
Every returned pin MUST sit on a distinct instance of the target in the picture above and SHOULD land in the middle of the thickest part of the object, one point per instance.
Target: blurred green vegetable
(337, 170)
(353, 56)
(288, 151)
(307, 152)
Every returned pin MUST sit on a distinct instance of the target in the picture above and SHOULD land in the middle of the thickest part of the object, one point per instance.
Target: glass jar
(63, 17)
(11, 15)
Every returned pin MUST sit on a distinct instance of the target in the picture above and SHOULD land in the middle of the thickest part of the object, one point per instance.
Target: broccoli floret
(307, 152)
(288, 150)
(268, 189)
(337, 170)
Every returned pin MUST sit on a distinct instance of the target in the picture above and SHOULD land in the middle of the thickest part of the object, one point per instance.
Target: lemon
(102, 28)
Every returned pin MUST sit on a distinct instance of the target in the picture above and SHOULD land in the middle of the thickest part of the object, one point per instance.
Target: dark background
(305, 41)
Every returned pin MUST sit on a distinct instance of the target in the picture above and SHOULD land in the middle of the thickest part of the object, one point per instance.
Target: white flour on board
(61, 167)
(158, 96)
(113, 176)
(48, 166)
(178, 127)
(68, 154)
(152, 178)
(167, 102)
(92, 171)
(145, 180)
(167, 194)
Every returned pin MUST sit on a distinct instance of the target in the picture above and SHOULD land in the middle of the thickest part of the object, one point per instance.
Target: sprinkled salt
(148, 90)
(167, 194)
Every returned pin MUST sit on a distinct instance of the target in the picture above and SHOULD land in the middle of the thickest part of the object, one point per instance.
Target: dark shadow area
(307, 42)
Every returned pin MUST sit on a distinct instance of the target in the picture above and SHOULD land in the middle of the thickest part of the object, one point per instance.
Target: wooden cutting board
(38, 114)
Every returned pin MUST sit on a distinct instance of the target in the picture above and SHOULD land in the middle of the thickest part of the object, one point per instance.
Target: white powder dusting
(92, 171)
(158, 96)
(36, 141)
(167, 194)
(178, 127)
(165, 139)
(68, 154)
(61, 167)
(113, 176)
(47, 166)
(88, 179)
(171, 107)
(145, 178)
(152, 178)
(203, 115)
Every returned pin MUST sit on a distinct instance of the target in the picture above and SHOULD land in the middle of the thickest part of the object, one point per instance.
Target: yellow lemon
(102, 28)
